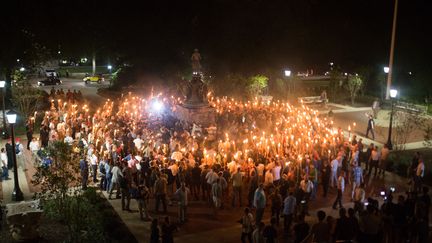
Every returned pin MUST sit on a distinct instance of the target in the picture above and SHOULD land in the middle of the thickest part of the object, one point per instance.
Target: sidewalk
(203, 227)
(346, 116)
(24, 177)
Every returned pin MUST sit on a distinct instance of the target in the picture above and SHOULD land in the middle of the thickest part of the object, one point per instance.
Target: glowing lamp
(393, 93)
(11, 117)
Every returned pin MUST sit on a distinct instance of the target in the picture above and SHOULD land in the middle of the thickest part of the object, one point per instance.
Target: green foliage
(18, 76)
(115, 76)
(64, 200)
(235, 85)
(257, 84)
(57, 180)
(354, 84)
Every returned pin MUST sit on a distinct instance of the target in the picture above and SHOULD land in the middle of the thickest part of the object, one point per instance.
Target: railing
(410, 108)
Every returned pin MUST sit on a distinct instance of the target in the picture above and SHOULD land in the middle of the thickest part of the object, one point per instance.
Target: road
(89, 91)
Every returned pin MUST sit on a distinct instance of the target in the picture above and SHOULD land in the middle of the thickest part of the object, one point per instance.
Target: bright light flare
(157, 106)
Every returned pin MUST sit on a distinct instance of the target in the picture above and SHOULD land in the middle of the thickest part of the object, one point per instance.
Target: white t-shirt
(34, 146)
(276, 172)
(69, 140)
(138, 143)
(4, 159)
(93, 159)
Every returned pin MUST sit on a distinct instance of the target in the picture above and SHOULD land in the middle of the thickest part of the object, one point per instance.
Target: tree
(233, 85)
(354, 85)
(404, 127)
(336, 81)
(62, 197)
(24, 96)
(257, 84)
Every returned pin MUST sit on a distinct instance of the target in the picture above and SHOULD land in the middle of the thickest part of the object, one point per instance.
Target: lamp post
(17, 194)
(393, 94)
(287, 73)
(386, 71)
(392, 47)
(5, 134)
(110, 69)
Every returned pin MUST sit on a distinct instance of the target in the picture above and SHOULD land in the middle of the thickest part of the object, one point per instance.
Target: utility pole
(389, 76)
(94, 63)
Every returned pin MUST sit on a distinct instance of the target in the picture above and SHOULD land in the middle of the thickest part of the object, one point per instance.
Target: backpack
(17, 148)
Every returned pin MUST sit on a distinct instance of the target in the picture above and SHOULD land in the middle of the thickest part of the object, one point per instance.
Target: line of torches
(296, 132)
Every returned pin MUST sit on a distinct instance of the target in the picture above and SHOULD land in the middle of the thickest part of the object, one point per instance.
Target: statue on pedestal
(196, 89)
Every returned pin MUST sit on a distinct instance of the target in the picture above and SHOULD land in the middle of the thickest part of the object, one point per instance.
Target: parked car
(50, 81)
(50, 73)
(93, 79)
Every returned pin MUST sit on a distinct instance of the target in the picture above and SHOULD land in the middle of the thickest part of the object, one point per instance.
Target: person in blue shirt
(259, 203)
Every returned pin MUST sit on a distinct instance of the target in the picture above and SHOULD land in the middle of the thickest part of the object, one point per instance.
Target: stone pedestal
(203, 115)
(23, 219)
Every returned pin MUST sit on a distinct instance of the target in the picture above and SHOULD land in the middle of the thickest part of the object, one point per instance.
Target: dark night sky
(235, 34)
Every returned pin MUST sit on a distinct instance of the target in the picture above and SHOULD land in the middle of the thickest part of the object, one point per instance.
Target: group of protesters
(68, 96)
(262, 154)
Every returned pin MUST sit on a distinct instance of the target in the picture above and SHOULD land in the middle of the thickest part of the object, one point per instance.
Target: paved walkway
(24, 177)
(346, 116)
(202, 225)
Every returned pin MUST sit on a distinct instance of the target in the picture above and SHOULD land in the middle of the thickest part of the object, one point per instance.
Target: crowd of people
(264, 156)
(68, 96)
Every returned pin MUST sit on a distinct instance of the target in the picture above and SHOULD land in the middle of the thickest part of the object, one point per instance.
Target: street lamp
(287, 73)
(5, 134)
(110, 77)
(17, 194)
(386, 69)
(393, 94)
